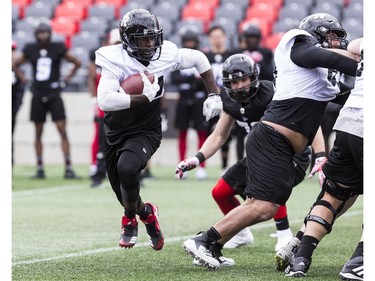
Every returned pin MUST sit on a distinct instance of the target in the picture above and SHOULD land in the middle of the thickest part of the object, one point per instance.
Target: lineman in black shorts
(46, 57)
(288, 125)
(246, 104)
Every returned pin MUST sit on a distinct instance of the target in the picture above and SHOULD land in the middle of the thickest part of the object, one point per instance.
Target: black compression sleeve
(307, 55)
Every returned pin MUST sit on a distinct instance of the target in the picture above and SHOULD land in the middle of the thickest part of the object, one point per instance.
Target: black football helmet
(43, 27)
(189, 33)
(236, 67)
(320, 24)
(137, 24)
(252, 30)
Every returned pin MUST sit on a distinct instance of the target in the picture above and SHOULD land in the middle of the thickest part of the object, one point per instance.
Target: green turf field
(65, 230)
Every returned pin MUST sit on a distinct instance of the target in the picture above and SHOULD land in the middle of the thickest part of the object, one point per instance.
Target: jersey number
(43, 69)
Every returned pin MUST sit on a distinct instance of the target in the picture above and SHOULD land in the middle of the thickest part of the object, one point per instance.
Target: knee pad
(320, 220)
(337, 191)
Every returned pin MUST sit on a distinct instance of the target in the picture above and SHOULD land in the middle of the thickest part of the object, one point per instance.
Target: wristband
(319, 154)
(200, 157)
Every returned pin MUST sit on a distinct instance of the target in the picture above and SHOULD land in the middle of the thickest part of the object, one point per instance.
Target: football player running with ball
(245, 99)
(132, 122)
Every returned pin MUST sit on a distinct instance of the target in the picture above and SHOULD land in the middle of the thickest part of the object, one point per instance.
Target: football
(133, 85)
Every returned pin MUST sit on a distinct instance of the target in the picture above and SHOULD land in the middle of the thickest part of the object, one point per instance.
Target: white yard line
(48, 190)
(146, 244)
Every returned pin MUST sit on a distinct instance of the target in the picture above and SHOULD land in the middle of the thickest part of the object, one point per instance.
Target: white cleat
(283, 238)
(243, 237)
(201, 173)
(196, 247)
(223, 262)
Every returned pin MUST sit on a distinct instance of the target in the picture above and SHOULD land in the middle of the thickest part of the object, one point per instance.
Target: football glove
(319, 162)
(186, 165)
(150, 89)
(212, 106)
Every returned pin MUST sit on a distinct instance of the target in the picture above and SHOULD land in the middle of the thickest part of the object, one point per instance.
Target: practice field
(66, 230)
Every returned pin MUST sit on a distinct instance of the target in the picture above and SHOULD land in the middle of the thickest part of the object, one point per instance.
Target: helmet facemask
(320, 25)
(138, 26)
(237, 67)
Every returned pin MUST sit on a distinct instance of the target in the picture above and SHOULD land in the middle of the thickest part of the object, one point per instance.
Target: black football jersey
(45, 62)
(252, 112)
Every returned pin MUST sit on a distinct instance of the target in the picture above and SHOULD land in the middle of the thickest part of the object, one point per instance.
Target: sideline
(170, 240)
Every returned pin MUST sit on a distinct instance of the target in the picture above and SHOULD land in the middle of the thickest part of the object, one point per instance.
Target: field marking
(147, 244)
(48, 190)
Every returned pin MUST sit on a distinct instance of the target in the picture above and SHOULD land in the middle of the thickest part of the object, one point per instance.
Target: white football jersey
(293, 81)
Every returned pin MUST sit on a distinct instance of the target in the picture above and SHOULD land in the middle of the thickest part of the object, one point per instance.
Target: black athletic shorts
(189, 114)
(270, 167)
(235, 176)
(50, 103)
(345, 162)
(143, 146)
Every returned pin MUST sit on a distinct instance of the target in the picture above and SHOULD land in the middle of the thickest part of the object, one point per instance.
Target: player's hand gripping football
(319, 162)
(150, 89)
(212, 106)
(186, 165)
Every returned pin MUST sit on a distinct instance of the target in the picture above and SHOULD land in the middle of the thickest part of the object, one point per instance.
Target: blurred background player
(192, 94)
(46, 57)
(18, 90)
(97, 168)
(217, 53)
(252, 38)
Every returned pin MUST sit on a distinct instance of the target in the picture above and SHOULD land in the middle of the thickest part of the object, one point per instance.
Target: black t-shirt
(45, 62)
(253, 111)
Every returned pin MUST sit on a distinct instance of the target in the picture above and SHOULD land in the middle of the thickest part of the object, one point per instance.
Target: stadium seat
(263, 10)
(294, 10)
(198, 11)
(308, 3)
(54, 3)
(200, 25)
(22, 37)
(104, 11)
(228, 24)
(16, 13)
(353, 10)
(84, 39)
(86, 3)
(332, 2)
(212, 3)
(94, 24)
(272, 40)
(116, 3)
(166, 10)
(241, 4)
(66, 26)
(264, 25)
(131, 6)
(230, 10)
(27, 24)
(276, 3)
(39, 9)
(180, 3)
(146, 3)
(327, 7)
(285, 24)
(166, 24)
(21, 3)
(71, 10)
